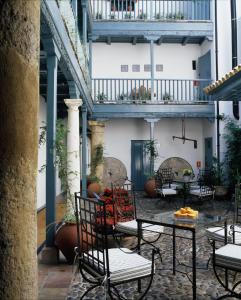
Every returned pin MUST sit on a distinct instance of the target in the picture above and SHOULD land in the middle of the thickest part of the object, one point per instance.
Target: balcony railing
(172, 91)
(151, 10)
(80, 49)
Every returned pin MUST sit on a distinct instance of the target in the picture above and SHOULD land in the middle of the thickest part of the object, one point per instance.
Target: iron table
(167, 219)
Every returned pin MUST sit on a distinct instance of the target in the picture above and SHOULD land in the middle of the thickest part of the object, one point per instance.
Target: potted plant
(187, 174)
(166, 98)
(151, 150)
(218, 178)
(101, 97)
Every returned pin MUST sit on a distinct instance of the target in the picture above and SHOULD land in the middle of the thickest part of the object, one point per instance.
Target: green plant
(217, 172)
(60, 147)
(233, 153)
(150, 148)
(112, 16)
(166, 97)
(123, 97)
(142, 16)
(159, 16)
(101, 97)
(127, 16)
(98, 16)
(97, 159)
(187, 172)
(175, 16)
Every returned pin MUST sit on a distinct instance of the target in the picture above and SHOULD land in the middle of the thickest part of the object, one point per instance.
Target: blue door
(140, 164)
(204, 72)
(208, 153)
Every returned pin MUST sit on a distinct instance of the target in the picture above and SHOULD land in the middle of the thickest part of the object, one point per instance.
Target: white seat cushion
(168, 191)
(199, 193)
(218, 233)
(125, 264)
(130, 227)
(229, 256)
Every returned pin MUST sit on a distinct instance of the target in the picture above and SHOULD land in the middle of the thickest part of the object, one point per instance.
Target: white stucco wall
(175, 58)
(119, 133)
(41, 177)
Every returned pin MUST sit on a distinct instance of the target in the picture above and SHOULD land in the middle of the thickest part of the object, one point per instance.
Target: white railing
(80, 49)
(116, 90)
(159, 10)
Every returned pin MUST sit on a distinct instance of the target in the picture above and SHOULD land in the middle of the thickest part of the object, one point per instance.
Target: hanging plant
(97, 158)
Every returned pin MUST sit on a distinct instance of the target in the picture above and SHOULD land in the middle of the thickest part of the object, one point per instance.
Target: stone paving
(166, 285)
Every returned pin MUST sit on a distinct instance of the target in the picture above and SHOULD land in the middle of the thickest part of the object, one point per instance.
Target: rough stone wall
(19, 100)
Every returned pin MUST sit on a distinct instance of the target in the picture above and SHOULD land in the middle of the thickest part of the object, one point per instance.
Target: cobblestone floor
(166, 285)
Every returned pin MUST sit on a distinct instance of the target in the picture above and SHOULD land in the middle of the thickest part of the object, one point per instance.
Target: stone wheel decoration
(114, 171)
(177, 164)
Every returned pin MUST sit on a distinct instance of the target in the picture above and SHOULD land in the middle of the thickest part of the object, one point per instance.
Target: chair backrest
(124, 201)
(204, 177)
(237, 214)
(166, 175)
(92, 234)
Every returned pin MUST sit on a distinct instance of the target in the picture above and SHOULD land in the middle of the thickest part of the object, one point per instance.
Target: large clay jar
(66, 240)
(93, 187)
(150, 188)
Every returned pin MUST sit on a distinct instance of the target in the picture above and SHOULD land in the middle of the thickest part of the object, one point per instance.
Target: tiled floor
(54, 281)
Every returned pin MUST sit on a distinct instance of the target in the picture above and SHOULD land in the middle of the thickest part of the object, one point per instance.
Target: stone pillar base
(49, 256)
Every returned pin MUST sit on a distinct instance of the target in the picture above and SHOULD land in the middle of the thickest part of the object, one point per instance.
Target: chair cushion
(168, 191)
(125, 264)
(199, 193)
(130, 227)
(217, 234)
(229, 256)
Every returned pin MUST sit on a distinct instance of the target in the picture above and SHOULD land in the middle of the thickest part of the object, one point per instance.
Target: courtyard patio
(63, 282)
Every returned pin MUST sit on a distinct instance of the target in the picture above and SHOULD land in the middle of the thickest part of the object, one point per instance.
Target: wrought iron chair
(226, 259)
(203, 192)
(164, 182)
(98, 264)
(218, 233)
(125, 208)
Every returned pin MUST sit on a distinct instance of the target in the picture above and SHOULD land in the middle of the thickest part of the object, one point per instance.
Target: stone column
(19, 94)
(97, 138)
(73, 156)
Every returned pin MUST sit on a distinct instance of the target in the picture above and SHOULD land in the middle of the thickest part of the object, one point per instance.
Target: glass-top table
(167, 219)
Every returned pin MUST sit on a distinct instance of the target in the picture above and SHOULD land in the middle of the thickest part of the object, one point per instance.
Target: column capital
(73, 104)
(151, 120)
(94, 123)
(151, 38)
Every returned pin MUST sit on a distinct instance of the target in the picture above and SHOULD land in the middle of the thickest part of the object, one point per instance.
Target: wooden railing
(153, 10)
(106, 90)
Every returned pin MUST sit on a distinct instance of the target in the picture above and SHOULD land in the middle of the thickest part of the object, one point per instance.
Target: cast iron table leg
(194, 280)
(139, 249)
(174, 251)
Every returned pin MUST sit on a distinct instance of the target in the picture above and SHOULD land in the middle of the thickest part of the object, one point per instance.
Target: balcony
(145, 98)
(148, 10)
(171, 21)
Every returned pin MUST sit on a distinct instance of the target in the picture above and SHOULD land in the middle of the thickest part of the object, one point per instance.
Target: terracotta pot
(93, 187)
(66, 240)
(220, 190)
(150, 188)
